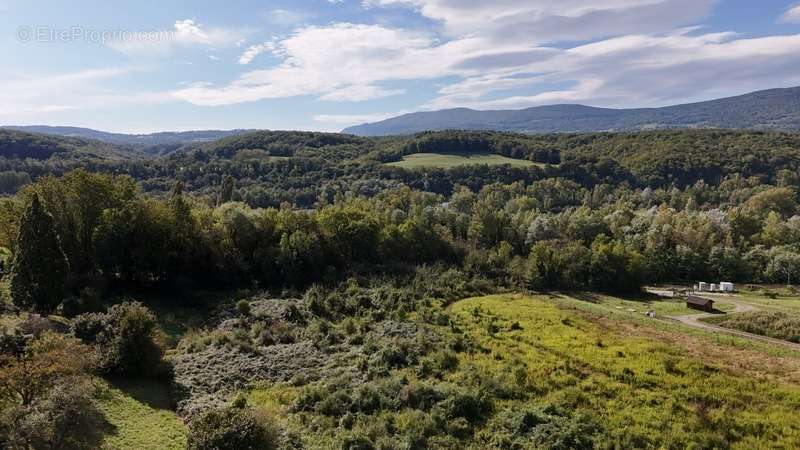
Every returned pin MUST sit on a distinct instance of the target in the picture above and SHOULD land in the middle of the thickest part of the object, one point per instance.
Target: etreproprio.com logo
(26, 34)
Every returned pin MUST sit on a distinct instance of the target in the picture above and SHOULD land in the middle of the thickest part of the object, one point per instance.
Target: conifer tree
(40, 266)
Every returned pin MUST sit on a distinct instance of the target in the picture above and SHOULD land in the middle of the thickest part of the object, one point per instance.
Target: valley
(446, 290)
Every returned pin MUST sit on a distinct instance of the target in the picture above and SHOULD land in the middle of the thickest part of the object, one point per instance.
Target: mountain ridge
(777, 109)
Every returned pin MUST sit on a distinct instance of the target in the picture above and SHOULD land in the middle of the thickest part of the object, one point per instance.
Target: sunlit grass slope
(646, 392)
(139, 417)
(447, 160)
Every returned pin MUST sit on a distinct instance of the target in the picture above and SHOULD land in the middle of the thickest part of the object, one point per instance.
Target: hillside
(302, 291)
(777, 109)
(152, 143)
(22, 145)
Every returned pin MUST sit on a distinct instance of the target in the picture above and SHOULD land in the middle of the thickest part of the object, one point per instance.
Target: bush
(472, 406)
(357, 443)
(545, 427)
(243, 308)
(233, 428)
(126, 338)
(34, 367)
(44, 394)
(66, 418)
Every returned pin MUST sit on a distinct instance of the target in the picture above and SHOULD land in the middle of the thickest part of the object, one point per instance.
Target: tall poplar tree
(40, 266)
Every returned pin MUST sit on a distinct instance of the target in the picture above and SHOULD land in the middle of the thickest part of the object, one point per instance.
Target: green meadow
(448, 160)
(139, 415)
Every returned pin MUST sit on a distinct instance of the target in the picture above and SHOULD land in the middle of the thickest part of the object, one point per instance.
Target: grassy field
(139, 416)
(447, 160)
(648, 384)
(618, 309)
(772, 298)
(647, 391)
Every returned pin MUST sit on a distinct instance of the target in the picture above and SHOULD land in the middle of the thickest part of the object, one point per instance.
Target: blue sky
(327, 64)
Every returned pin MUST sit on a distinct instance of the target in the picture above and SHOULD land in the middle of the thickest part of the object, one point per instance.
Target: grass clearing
(785, 300)
(139, 416)
(449, 160)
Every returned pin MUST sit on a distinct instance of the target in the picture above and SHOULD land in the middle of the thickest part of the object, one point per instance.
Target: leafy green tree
(614, 268)
(785, 264)
(77, 202)
(350, 232)
(547, 265)
(40, 267)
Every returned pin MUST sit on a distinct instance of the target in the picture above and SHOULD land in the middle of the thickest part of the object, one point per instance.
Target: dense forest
(350, 245)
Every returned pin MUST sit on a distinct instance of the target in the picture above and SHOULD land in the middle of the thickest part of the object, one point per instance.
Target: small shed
(726, 287)
(701, 303)
(702, 286)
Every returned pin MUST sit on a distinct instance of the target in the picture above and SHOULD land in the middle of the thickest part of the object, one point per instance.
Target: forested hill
(21, 145)
(777, 109)
(162, 142)
(271, 168)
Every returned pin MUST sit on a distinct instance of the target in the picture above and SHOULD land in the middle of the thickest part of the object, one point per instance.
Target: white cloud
(792, 15)
(344, 62)
(254, 50)
(358, 93)
(184, 34)
(543, 21)
(658, 70)
(495, 55)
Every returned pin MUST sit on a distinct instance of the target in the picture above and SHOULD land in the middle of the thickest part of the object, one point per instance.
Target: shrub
(243, 308)
(357, 443)
(233, 428)
(44, 393)
(546, 427)
(420, 396)
(125, 336)
(37, 367)
(65, 418)
(472, 406)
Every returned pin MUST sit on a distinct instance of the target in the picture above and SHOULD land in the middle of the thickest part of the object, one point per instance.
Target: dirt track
(693, 320)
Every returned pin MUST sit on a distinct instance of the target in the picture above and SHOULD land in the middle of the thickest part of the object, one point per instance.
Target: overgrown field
(522, 372)
(778, 325)
(448, 160)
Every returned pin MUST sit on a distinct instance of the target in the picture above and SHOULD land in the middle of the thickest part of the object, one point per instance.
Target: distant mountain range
(151, 143)
(777, 109)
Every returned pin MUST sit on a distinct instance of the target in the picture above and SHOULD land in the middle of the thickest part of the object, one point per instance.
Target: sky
(175, 65)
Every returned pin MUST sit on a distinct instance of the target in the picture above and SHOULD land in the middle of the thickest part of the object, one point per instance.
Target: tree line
(68, 239)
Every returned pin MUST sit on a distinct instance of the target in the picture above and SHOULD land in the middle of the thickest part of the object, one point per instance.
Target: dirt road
(693, 320)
